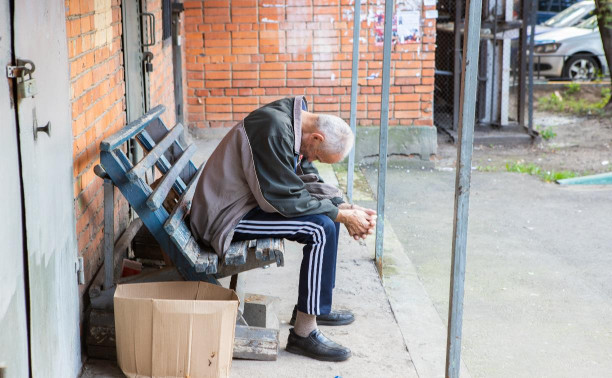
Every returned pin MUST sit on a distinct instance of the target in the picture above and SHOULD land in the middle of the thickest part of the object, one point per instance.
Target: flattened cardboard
(175, 329)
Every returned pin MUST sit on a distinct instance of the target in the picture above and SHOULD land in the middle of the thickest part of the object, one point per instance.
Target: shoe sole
(301, 352)
(328, 323)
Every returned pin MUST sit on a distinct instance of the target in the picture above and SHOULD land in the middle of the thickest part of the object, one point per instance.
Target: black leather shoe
(316, 346)
(334, 318)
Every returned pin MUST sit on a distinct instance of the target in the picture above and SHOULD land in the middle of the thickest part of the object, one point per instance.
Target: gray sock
(305, 324)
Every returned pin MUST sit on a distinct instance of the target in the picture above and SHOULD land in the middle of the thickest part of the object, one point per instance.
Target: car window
(570, 16)
(590, 23)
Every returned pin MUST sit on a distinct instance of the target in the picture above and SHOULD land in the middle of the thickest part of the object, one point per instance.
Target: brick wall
(94, 32)
(242, 54)
(98, 109)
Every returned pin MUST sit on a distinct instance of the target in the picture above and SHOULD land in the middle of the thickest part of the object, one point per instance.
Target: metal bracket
(21, 69)
(80, 270)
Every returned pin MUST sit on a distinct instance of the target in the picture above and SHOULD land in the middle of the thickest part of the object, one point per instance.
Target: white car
(571, 53)
(570, 16)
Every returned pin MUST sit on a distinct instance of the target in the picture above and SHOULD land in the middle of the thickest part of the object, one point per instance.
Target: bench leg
(109, 234)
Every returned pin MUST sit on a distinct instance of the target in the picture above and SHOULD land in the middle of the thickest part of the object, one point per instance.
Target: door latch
(148, 61)
(26, 84)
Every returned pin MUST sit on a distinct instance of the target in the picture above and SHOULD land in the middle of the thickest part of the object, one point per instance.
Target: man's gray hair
(338, 135)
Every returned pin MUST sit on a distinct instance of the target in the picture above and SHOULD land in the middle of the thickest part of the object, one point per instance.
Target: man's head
(325, 138)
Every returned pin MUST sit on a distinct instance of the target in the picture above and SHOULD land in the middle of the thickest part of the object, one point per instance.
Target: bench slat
(159, 194)
(151, 158)
(252, 262)
(270, 250)
(207, 260)
(163, 164)
(184, 205)
(157, 130)
(131, 130)
(236, 253)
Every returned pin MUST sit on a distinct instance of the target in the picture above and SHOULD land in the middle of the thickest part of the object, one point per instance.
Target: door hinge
(80, 270)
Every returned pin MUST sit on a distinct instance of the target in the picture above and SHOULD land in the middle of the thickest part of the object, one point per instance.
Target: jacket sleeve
(279, 184)
(307, 167)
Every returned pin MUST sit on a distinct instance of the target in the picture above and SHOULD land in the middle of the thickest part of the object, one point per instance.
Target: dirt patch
(580, 144)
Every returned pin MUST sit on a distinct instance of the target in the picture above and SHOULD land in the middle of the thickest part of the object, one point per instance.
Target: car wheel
(581, 68)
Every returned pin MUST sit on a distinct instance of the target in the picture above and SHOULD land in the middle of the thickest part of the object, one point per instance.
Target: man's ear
(318, 137)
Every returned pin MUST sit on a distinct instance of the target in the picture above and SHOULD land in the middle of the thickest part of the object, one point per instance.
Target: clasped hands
(359, 221)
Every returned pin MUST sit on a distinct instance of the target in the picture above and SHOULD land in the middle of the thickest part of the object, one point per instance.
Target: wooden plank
(270, 250)
(207, 260)
(123, 160)
(152, 156)
(236, 254)
(137, 193)
(156, 130)
(131, 130)
(255, 343)
(251, 263)
(123, 243)
(280, 252)
(184, 205)
(163, 164)
(159, 194)
(95, 290)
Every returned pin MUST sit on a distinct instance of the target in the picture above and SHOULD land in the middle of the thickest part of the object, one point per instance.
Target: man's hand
(345, 205)
(359, 222)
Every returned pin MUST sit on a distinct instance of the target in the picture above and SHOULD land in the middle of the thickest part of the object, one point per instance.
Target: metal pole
(532, 22)
(384, 135)
(457, 67)
(522, 54)
(469, 81)
(354, 89)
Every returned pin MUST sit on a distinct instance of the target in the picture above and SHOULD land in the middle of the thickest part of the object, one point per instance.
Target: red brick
(272, 66)
(272, 83)
(272, 74)
(244, 75)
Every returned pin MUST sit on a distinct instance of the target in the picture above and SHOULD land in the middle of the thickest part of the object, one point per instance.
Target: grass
(546, 133)
(534, 170)
(571, 102)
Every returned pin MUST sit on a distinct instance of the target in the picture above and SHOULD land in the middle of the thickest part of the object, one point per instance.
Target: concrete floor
(538, 290)
(375, 338)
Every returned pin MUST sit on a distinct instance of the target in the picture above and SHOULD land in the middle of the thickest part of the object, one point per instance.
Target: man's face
(311, 151)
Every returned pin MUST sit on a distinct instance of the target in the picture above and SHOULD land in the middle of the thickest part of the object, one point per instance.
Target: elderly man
(253, 187)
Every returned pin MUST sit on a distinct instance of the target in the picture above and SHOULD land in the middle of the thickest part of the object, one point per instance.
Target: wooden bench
(180, 175)
(163, 206)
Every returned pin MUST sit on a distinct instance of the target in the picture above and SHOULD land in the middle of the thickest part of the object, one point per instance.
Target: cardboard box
(175, 329)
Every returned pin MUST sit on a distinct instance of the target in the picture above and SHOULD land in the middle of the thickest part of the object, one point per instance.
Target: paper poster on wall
(408, 26)
(406, 23)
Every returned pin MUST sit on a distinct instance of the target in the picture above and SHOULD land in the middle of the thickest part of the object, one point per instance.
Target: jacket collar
(298, 105)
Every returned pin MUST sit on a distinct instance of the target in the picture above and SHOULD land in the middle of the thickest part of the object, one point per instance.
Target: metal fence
(510, 62)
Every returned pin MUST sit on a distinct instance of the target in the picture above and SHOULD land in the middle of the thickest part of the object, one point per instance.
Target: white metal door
(46, 163)
(13, 320)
